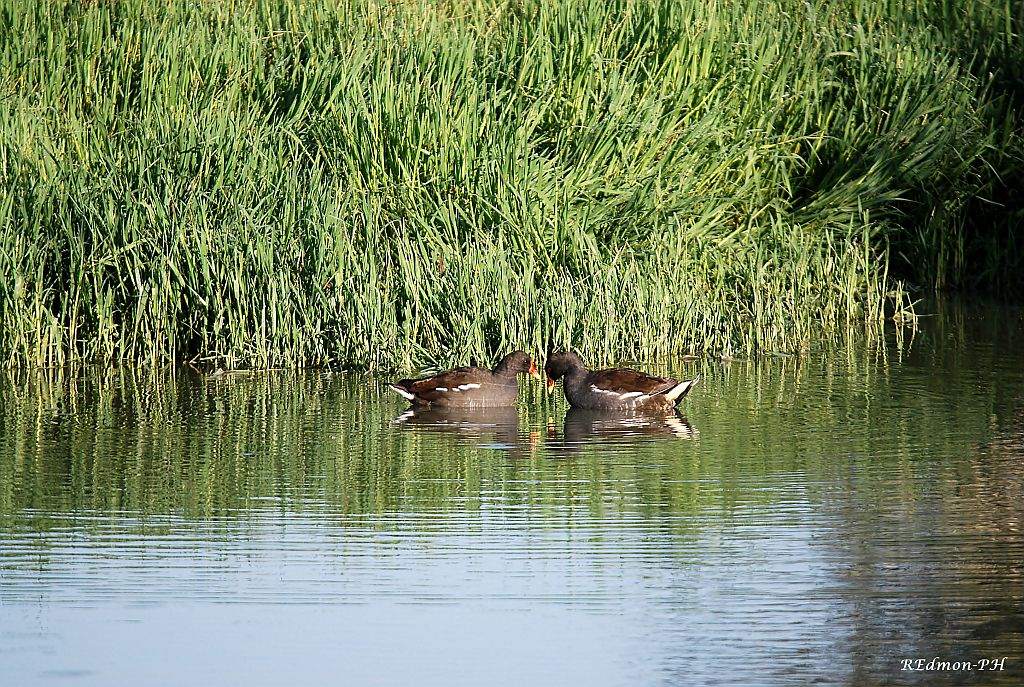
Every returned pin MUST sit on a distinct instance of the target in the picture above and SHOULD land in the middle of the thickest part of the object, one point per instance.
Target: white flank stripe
(440, 388)
(467, 387)
(622, 397)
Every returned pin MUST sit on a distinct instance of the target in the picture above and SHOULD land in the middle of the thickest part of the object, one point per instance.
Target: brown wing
(624, 381)
(429, 388)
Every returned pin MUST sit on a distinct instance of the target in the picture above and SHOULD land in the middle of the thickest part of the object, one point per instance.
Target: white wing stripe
(622, 396)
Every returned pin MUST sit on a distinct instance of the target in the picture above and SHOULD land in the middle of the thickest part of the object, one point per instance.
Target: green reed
(275, 183)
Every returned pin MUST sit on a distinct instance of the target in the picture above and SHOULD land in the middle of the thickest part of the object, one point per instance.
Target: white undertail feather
(680, 390)
(402, 392)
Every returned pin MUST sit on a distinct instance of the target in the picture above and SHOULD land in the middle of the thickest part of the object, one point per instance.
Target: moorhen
(466, 387)
(616, 388)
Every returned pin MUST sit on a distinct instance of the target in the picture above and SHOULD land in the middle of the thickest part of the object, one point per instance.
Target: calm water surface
(807, 521)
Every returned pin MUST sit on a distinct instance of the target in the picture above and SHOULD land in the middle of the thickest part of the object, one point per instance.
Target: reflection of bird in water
(496, 427)
(584, 427)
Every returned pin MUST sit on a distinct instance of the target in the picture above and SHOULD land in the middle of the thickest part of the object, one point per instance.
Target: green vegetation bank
(392, 184)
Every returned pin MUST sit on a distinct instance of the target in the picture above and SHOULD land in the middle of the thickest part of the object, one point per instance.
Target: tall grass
(388, 185)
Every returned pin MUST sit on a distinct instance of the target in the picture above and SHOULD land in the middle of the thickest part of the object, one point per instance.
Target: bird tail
(398, 387)
(679, 391)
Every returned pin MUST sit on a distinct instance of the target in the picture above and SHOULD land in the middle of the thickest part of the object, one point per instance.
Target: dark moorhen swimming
(616, 388)
(466, 387)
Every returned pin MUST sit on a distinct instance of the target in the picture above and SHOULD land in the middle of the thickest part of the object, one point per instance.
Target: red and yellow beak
(551, 385)
(533, 370)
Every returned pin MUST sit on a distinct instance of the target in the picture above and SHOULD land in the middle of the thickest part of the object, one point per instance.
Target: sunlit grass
(375, 185)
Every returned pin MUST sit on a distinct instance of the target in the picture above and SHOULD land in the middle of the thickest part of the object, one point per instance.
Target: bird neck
(575, 373)
(503, 369)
